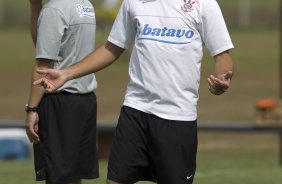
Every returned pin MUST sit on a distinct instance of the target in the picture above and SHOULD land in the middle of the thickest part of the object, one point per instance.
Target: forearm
(97, 60)
(37, 91)
(223, 64)
(219, 82)
(35, 8)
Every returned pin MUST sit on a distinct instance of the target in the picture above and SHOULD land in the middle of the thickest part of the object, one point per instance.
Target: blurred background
(223, 156)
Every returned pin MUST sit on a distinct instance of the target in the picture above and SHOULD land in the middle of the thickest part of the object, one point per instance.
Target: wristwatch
(30, 109)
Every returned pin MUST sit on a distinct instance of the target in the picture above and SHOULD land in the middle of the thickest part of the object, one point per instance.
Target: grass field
(228, 158)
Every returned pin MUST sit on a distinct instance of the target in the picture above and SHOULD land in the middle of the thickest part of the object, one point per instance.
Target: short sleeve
(213, 29)
(123, 31)
(51, 27)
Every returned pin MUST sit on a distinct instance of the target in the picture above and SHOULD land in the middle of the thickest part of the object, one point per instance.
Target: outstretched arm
(35, 8)
(220, 81)
(104, 56)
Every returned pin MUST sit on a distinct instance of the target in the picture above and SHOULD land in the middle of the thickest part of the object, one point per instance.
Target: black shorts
(67, 131)
(147, 147)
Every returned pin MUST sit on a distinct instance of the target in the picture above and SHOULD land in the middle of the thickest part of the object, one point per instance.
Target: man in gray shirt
(62, 125)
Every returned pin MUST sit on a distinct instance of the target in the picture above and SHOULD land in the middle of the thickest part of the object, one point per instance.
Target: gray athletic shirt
(66, 34)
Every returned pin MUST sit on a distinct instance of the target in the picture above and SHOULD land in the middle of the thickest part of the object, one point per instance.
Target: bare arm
(36, 93)
(97, 60)
(104, 56)
(35, 8)
(219, 82)
(223, 64)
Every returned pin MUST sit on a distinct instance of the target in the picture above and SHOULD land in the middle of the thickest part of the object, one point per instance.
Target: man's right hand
(52, 80)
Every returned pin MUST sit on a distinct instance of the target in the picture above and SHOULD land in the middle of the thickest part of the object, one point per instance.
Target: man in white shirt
(156, 136)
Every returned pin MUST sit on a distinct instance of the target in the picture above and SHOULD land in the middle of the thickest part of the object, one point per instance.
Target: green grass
(11, 172)
(229, 158)
(238, 158)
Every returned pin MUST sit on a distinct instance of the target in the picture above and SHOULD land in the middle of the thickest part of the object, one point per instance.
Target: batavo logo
(188, 6)
(164, 34)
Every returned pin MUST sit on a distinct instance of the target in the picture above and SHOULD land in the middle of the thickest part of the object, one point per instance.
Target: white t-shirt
(168, 38)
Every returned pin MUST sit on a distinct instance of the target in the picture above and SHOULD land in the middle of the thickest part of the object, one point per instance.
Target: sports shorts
(67, 132)
(149, 148)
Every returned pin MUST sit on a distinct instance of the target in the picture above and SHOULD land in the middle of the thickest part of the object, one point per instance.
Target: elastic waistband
(69, 93)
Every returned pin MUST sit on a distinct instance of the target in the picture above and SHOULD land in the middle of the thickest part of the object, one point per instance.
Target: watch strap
(30, 109)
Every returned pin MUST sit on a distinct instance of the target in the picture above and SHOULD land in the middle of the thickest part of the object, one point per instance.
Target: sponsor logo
(188, 6)
(164, 34)
(146, 1)
(85, 11)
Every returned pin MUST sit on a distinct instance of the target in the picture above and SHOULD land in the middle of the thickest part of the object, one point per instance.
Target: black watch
(30, 109)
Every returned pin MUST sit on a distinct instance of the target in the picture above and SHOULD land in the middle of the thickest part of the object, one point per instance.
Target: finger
(220, 89)
(36, 128)
(216, 90)
(211, 86)
(211, 83)
(216, 80)
(43, 82)
(34, 136)
(228, 75)
(220, 84)
(40, 82)
(213, 91)
(37, 82)
(35, 139)
(49, 86)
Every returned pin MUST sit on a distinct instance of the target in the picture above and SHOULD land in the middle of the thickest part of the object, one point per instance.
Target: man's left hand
(219, 85)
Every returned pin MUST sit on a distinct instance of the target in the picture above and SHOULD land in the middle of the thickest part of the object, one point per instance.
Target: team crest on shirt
(85, 11)
(188, 6)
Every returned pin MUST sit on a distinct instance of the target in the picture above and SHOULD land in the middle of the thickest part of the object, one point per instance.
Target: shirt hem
(161, 115)
(117, 43)
(46, 57)
(222, 49)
